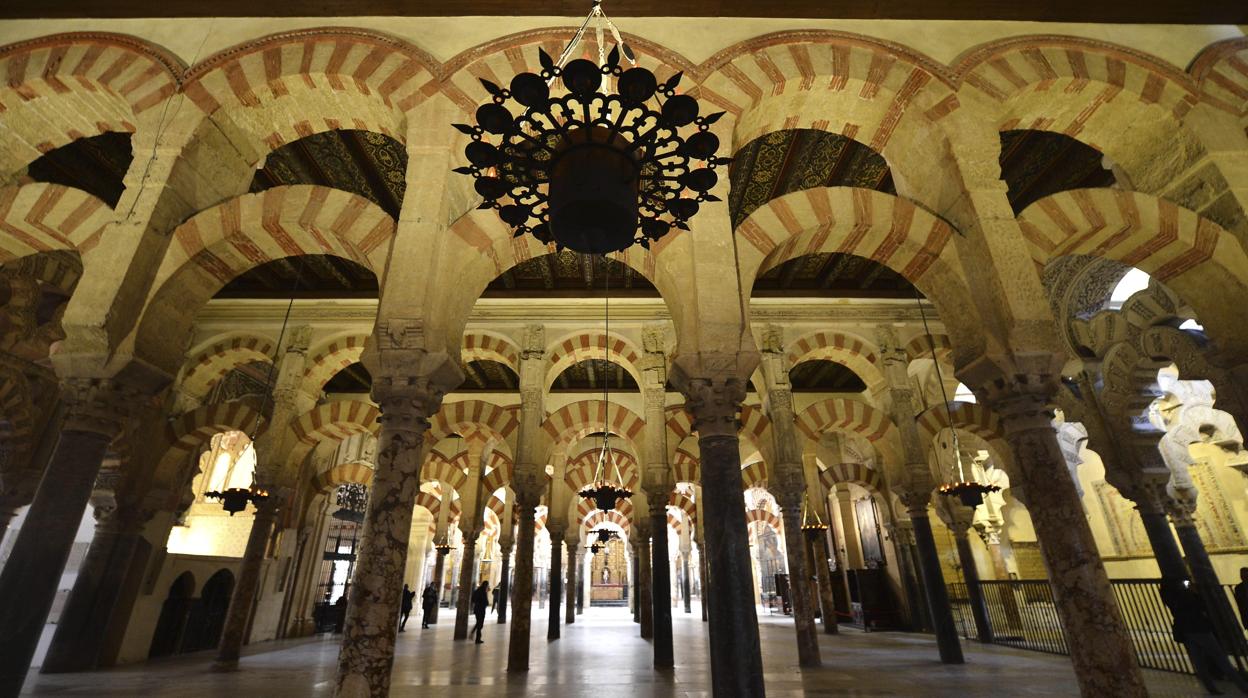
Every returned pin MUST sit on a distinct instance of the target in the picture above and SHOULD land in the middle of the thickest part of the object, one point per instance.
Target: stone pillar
(704, 576)
(1100, 646)
(522, 595)
(439, 575)
(736, 657)
(661, 582)
(574, 565)
(957, 519)
(789, 489)
(467, 583)
(991, 535)
(243, 601)
(7, 512)
(1203, 574)
(408, 386)
(645, 597)
(827, 601)
(96, 410)
(553, 625)
(83, 628)
(504, 581)
(685, 580)
(932, 578)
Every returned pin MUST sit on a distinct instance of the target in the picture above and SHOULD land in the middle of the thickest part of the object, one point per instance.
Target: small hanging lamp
(812, 525)
(444, 546)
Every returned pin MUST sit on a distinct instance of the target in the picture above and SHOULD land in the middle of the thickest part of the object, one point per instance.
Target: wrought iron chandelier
(605, 535)
(235, 499)
(352, 500)
(444, 546)
(812, 525)
(600, 168)
(968, 490)
(606, 493)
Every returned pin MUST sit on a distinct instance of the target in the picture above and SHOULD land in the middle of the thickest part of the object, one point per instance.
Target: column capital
(714, 404)
(914, 499)
(528, 484)
(99, 405)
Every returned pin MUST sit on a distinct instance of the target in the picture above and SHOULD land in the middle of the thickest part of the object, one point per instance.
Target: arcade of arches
(235, 258)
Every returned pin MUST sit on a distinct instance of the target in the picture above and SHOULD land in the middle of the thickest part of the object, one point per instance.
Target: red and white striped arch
(41, 217)
(63, 87)
(583, 346)
(491, 346)
(685, 467)
(853, 417)
(332, 421)
(755, 430)
(331, 356)
(475, 419)
(574, 421)
(213, 359)
(591, 520)
(850, 351)
(859, 474)
(580, 469)
(1221, 71)
(764, 516)
(357, 472)
(754, 475)
(450, 471)
(188, 433)
(920, 348)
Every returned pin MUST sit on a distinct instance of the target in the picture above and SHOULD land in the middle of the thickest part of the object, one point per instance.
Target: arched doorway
(173, 615)
(207, 617)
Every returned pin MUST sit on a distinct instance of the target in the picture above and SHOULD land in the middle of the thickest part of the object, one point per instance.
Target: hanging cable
(931, 344)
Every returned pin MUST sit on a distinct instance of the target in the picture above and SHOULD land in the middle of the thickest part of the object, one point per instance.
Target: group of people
(480, 602)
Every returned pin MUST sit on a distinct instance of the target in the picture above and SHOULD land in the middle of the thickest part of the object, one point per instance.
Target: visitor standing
(406, 609)
(1193, 628)
(1241, 596)
(480, 602)
(428, 602)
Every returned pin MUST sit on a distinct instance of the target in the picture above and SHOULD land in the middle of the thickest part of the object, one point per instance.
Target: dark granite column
(95, 413)
(243, 601)
(645, 599)
(1100, 646)
(83, 627)
(975, 593)
(704, 571)
(686, 582)
(789, 489)
(661, 580)
(7, 512)
(407, 396)
(522, 594)
(931, 577)
(556, 583)
(736, 657)
(574, 569)
(636, 584)
(823, 577)
(504, 582)
(439, 574)
(1206, 578)
(467, 584)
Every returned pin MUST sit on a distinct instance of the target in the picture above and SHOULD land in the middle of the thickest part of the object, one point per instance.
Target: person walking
(1241, 596)
(428, 602)
(406, 609)
(1193, 628)
(480, 602)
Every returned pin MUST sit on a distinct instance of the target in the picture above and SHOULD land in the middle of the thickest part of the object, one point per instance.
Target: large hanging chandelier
(600, 168)
(968, 490)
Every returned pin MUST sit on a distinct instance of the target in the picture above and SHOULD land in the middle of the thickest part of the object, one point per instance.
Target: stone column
(991, 535)
(685, 580)
(556, 530)
(472, 520)
(704, 576)
(408, 386)
(789, 488)
(243, 600)
(83, 628)
(1204, 575)
(439, 575)
(467, 583)
(958, 519)
(823, 577)
(527, 497)
(1100, 646)
(661, 582)
(505, 580)
(736, 657)
(932, 578)
(574, 565)
(528, 483)
(7, 512)
(96, 410)
(645, 597)
(849, 529)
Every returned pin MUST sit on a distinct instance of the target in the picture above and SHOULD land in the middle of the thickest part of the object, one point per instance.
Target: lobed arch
(1087, 89)
(472, 418)
(582, 345)
(223, 242)
(485, 345)
(859, 474)
(1172, 244)
(579, 419)
(848, 350)
(853, 417)
(42, 217)
(330, 356)
(211, 360)
(63, 87)
(883, 228)
(357, 472)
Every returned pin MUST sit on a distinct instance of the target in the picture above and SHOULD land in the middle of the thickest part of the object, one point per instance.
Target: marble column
(736, 657)
(823, 577)
(1100, 646)
(83, 628)
(686, 582)
(574, 565)
(789, 489)
(660, 580)
(522, 594)
(467, 584)
(975, 593)
(439, 577)
(991, 535)
(504, 581)
(636, 584)
(243, 600)
(95, 413)
(553, 625)
(704, 577)
(407, 396)
(645, 595)
(932, 578)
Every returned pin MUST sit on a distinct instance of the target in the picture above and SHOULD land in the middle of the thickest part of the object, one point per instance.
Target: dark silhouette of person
(1193, 628)
(340, 612)
(480, 602)
(428, 602)
(405, 609)
(494, 598)
(1241, 596)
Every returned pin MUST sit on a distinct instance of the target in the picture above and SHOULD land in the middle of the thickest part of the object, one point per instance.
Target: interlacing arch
(583, 346)
(41, 217)
(356, 472)
(577, 420)
(854, 353)
(877, 226)
(859, 474)
(63, 87)
(331, 356)
(853, 417)
(216, 357)
(468, 417)
(483, 345)
(1174, 245)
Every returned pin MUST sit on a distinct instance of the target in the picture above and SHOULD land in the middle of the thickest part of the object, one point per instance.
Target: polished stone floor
(601, 656)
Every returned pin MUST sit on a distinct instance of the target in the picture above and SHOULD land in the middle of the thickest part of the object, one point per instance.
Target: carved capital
(99, 405)
(915, 500)
(714, 405)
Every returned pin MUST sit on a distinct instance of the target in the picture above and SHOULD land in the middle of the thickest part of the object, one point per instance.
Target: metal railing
(1023, 615)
